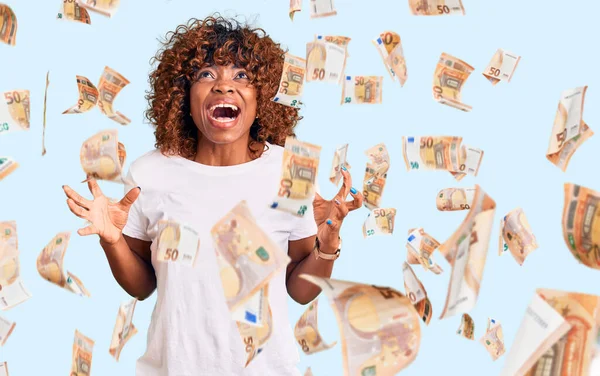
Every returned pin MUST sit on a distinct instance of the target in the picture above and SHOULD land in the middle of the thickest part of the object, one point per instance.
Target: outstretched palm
(106, 218)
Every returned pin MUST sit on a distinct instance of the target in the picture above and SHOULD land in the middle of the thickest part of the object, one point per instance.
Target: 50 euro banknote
(502, 67)
(390, 49)
(449, 77)
(581, 224)
(102, 156)
(375, 175)
(177, 243)
(326, 58)
(81, 361)
(8, 25)
(14, 111)
(12, 289)
(7, 166)
(307, 332)
(362, 89)
(436, 7)
(291, 84)
(124, 329)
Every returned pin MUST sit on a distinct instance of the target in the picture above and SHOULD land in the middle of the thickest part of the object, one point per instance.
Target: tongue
(224, 112)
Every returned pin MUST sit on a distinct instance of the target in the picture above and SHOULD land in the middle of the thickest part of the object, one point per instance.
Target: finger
(333, 225)
(130, 197)
(357, 200)
(342, 209)
(77, 210)
(89, 230)
(76, 197)
(318, 197)
(346, 183)
(94, 188)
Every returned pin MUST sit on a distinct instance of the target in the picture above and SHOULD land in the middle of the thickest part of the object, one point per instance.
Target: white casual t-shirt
(192, 332)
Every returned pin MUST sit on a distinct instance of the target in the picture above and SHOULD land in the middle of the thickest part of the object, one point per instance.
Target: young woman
(219, 140)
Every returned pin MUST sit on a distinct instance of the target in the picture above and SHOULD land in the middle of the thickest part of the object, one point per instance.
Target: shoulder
(274, 154)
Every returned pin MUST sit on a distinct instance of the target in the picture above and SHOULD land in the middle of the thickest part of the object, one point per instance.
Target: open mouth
(224, 112)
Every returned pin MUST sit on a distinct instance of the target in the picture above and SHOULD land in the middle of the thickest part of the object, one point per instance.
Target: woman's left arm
(329, 216)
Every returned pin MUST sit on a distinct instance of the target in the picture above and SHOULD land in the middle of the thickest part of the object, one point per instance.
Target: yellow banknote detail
(362, 89)
(102, 156)
(450, 75)
(72, 11)
(467, 327)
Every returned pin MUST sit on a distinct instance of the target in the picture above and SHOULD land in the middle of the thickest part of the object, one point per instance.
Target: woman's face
(223, 103)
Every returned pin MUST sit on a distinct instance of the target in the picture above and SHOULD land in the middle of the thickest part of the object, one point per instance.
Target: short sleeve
(305, 226)
(137, 222)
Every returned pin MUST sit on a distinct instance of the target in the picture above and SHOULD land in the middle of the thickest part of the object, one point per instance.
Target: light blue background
(510, 122)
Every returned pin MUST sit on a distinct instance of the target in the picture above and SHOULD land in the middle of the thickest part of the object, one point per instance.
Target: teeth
(232, 106)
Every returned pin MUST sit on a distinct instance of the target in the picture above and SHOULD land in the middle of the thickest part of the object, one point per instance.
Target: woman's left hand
(329, 214)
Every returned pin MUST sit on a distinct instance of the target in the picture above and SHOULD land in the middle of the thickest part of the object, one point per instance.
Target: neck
(230, 154)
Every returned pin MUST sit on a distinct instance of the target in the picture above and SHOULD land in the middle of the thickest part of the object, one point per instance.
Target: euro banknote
(88, 96)
(516, 236)
(340, 159)
(81, 361)
(177, 243)
(436, 7)
(449, 78)
(12, 289)
(419, 248)
(102, 156)
(493, 339)
(452, 199)
(6, 329)
(502, 67)
(379, 221)
(322, 8)
(7, 166)
(124, 329)
(50, 265)
(581, 224)
(467, 327)
(255, 337)
(4, 369)
(390, 49)
(375, 175)
(14, 111)
(44, 113)
(569, 130)
(362, 89)
(416, 293)
(307, 333)
(72, 11)
(291, 84)
(8, 25)
(326, 59)
(104, 7)
(379, 327)
(295, 6)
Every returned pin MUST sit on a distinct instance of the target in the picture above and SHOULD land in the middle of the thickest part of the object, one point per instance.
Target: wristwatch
(326, 256)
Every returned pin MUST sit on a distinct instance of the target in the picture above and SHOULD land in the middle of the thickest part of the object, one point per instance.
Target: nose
(223, 86)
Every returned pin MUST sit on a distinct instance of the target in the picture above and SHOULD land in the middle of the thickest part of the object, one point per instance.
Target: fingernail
(63, 187)
(140, 188)
(344, 168)
(353, 190)
(329, 221)
(336, 201)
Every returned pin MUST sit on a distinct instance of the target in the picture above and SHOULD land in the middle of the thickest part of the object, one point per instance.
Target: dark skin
(224, 142)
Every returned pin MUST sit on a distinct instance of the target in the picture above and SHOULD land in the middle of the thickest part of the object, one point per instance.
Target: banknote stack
(298, 177)
(14, 111)
(104, 7)
(81, 362)
(8, 25)
(111, 84)
(72, 11)
(4, 369)
(50, 265)
(569, 130)
(420, 245)
(6, 329)
(339, 160)
(102, 156)
(516, 235)
(581, 224)
(291, 84)
(177, 243)
(450, 75)
(362, 89)
(326, 58)
(379, 222)
(390, 49)
(467, 327)
(558, 333)
(247, 261)
(415, 291)
(441, 153)
(466, 250)
(452, 199)
(124, 329)
(375, 175)
(307, 331)
(12, 289)
(436, 7)
(493, 339)
(379, 327)
(502, 67)
(7, 166)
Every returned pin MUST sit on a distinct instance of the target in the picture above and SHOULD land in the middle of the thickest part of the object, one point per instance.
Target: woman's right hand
(106, 218)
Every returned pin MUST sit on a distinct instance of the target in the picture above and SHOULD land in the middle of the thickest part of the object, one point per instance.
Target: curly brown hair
(214, 41)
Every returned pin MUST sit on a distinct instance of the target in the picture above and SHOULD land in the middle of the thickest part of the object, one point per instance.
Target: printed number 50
(171, 254)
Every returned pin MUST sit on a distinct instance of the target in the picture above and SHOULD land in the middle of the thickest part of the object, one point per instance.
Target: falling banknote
(516, 235)
(326, 58)
(292, 81)
(379, 222)
(111, 84)
(102, 156)
(420, 245)
(6, 328)
(104, 7)
(441, 153)
(12, 290)
(124, 329)
(307, 331)
(569, 130)
(72, 11)
(559, 329)
(436, 7)
(250, 258)
(379, 327)
(177, 243)
(295, 6)
(389, 46)
(14, 111)
(581, 224)
(449, 77)
(298, 177)
(50, 265)
(4, 369)
(81, 362)
(362, 89)
(7, 166)
(466, 250)
(415, 291)
(493, 339)
(44, 113)
(452, 199)
(255, 336)
(8, 25)
(467, 327)
(339, 160)
(375, 175)
(502, 67)
(322, 8)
